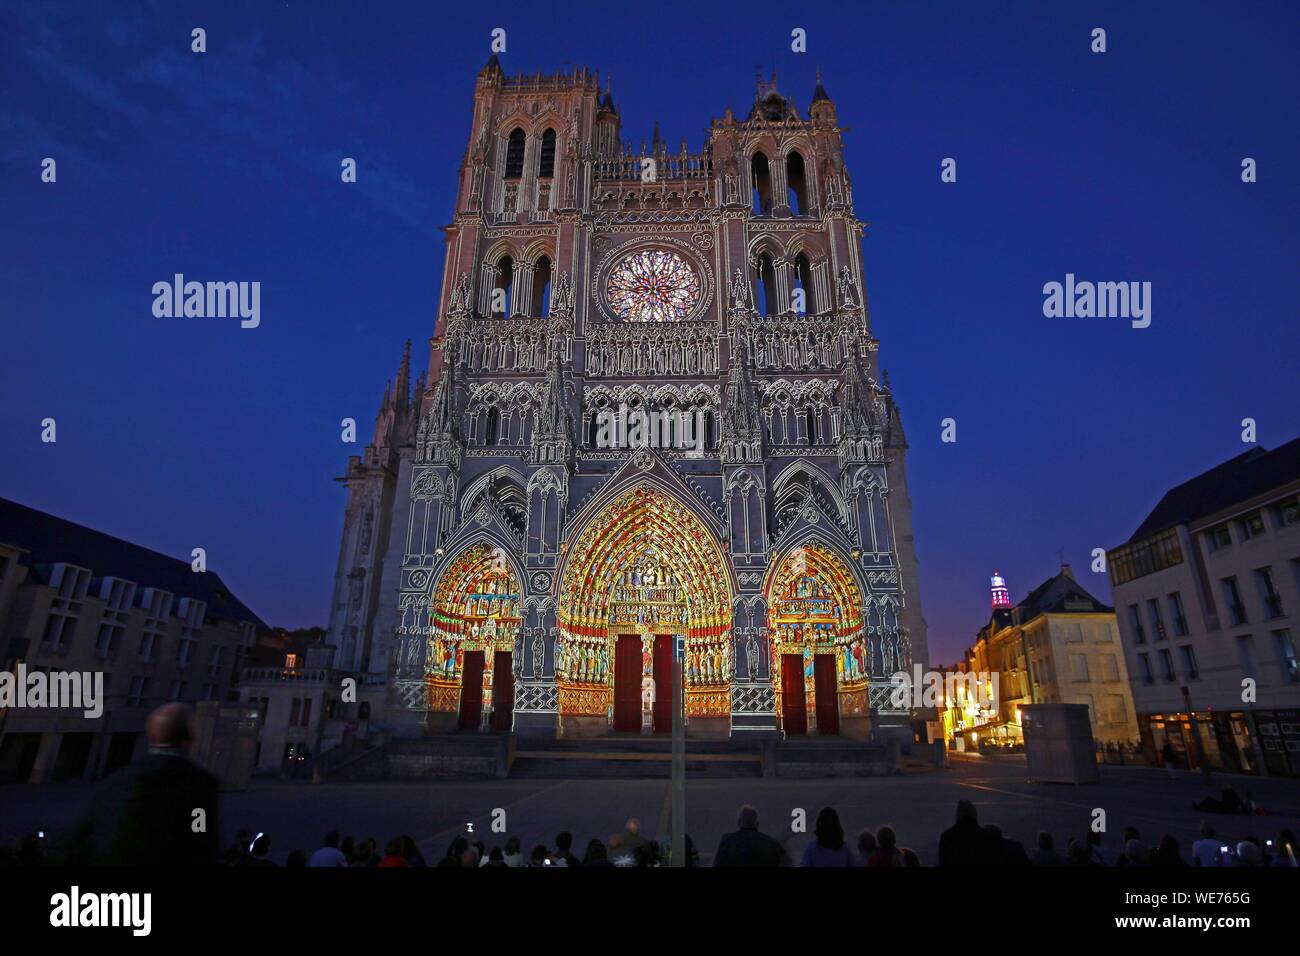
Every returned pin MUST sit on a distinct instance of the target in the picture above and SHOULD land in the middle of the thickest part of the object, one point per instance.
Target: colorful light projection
(646, 565)
(475, 608)
(815, 607)
(652, 285)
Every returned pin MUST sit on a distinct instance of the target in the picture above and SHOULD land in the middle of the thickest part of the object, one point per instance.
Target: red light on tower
(1001, 597)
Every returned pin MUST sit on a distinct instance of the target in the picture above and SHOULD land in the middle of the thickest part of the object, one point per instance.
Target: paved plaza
(919, 806)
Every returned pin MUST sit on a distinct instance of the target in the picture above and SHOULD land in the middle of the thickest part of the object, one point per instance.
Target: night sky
(1124, 166)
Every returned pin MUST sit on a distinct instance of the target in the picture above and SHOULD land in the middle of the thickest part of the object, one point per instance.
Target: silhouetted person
(411, 853)
(632, 838)
(965, 843)
(1166, 854)
(455, 852)
(886, 852)
(144, 814)
(747, 846)
(596, 855)
(828, 847)
(393, 854)
(1004, 850)
(258, 853)
(329, 854)
(1046, 854)
(563, 843)
(866, 847)
(514, 855)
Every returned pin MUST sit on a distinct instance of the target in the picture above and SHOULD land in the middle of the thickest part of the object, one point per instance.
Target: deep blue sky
(1122, 166)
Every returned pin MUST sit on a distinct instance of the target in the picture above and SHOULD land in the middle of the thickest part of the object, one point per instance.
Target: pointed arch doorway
(644, 572)
(474, 618)
(817, 632)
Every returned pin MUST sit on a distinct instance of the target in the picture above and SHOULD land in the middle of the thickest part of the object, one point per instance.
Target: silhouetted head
(748, 819)
(1045, 841)
(966, 812)
(830, 833)
(866, 842)
(886, 839)
(169, 727)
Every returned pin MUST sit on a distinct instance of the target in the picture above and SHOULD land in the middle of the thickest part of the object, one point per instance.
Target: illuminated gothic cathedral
(503, 569)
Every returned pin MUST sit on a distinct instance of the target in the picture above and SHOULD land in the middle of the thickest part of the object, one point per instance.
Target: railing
(255, 674)
(679, 166)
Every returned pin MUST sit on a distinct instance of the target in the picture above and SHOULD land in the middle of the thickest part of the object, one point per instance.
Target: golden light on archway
(648, 565)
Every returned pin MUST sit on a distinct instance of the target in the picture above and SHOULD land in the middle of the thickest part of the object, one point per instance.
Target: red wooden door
(828, 705)
(471, 690)
(794, 709)
(503, 692)
(663, 671)
(627, 683)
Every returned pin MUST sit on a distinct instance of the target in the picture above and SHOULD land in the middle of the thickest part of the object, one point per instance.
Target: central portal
(643, 573)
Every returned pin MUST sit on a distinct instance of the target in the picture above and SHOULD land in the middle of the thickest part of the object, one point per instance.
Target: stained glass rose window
(653, 286)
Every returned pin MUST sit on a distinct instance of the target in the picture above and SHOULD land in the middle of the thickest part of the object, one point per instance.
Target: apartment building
(1207, 591)
(73, 599)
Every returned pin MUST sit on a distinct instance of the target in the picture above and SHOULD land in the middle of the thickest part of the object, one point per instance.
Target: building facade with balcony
(1206, 591)
(73, 599)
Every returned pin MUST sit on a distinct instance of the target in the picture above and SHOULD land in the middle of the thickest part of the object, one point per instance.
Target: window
(766, 286)
(1252, 526)
(1176, 614)
(70, 585)
(540, 306)
(1156, 553)
(1157, 624)
(1116, 709)
(1268, 593)
(515, 154)
(1109, 667)
(1246, 658)
(1135, 623)
(135, 697)
(294, 707)
(505, 278)
(1079, 667)
(1289, 511)
(1236, 610)
(106, 640)
(1218, 538)
(1286, 655)
(796, 184)
(176, 690)
(1144, 665)
(803, 280)
(546, 160)
(762, 180)
(1167, 665)
(215, 660)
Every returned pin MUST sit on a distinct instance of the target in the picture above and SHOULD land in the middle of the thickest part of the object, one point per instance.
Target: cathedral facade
(510, 564)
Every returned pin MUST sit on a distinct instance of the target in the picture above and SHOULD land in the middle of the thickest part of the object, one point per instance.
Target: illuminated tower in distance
(998, 585)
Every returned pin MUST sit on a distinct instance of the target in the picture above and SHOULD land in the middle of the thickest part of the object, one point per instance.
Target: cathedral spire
(402, 390)
(553, 434)
(742, 439)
